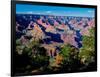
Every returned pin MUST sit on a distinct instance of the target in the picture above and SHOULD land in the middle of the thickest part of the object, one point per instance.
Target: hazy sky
(54, 10)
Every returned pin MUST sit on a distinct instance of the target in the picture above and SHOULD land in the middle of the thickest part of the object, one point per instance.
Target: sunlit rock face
(53, 29)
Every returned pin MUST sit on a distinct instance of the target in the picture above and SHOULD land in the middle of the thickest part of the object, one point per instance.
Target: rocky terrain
(58, 36)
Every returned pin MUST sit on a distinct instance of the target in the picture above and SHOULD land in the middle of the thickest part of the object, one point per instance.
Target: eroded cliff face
(54, 29)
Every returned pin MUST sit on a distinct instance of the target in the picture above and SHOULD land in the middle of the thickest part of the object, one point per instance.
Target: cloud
(30, 12)
(90, 11)
(48, 11)
(38, 13)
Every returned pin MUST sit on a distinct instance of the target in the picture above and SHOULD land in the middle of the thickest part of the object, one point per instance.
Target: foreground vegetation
(32, 58)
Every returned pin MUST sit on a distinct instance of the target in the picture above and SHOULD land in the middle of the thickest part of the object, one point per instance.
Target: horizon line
(51, 14)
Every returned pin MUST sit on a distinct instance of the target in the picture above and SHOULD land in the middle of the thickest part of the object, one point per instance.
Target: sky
(54, 10)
